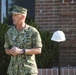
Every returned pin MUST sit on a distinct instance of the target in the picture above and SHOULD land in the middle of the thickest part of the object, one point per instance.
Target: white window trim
(3, 10)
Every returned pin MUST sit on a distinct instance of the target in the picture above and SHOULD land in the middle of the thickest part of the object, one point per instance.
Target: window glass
(29, 4)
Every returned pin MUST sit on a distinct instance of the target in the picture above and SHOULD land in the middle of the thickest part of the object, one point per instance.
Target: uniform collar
(23, 30)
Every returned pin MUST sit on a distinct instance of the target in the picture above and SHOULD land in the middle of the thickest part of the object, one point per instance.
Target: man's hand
(15, 51)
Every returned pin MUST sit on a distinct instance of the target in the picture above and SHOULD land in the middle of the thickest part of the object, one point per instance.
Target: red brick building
(54, 15)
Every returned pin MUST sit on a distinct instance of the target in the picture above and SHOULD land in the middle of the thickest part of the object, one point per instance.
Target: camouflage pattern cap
(19, 10)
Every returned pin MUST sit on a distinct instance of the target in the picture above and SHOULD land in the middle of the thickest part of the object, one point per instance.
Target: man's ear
(23, 16)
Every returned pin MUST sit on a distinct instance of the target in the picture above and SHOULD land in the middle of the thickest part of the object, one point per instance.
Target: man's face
(17, 18)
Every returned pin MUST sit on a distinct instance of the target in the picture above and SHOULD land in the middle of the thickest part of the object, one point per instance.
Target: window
(9, 5)
(29, 4)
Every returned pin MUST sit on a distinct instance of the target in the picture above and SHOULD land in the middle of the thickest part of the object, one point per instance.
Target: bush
(49, 56)
(4, 59)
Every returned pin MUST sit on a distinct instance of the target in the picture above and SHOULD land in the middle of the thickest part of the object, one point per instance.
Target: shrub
(49, 56)
(4, 59)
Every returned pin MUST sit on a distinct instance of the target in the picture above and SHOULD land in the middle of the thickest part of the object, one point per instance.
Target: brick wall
(54, 15)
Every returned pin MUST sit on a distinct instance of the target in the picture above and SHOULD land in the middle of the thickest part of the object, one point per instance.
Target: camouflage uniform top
(28, 38)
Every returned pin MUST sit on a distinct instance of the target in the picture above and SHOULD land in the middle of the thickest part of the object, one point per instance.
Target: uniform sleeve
(36, 40)
(7, 44)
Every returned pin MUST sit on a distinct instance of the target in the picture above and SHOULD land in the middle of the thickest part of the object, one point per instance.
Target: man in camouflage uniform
(22, 42)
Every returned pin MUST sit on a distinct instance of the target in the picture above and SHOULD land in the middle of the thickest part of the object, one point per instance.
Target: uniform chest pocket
(27, 41)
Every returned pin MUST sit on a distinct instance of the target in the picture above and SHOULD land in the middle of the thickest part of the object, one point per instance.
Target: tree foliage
(4, 59)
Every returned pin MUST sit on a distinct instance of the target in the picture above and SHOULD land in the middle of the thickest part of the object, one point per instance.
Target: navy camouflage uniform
(28, 38)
